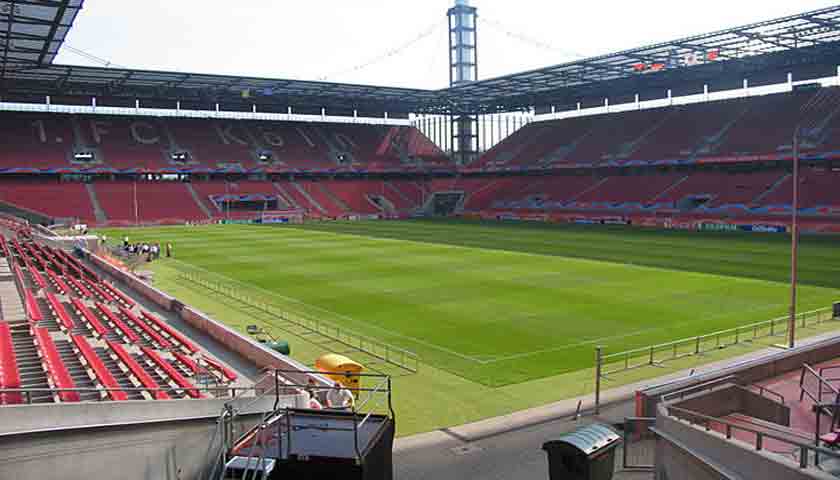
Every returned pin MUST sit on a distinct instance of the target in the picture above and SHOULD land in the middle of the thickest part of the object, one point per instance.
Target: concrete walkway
(509, 447)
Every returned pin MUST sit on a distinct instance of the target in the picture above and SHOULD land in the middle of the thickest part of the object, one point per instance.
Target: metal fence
(660, 354)
(396, 356)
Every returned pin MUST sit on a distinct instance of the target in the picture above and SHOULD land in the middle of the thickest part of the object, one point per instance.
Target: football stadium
(626, 265)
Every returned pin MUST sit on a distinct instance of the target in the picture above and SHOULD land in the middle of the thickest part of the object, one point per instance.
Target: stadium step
(101, 218)
(285, 196)
(157, 377)
(781, 181)
(308, 197)
(396, 191)
(198, 201)
(77, 371)
(333, 197)
(31, 371)
(119, 375)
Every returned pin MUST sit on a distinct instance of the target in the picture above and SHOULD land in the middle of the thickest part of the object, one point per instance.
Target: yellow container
(340, 369)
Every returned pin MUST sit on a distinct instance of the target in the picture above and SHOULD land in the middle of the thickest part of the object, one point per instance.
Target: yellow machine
(341, 369)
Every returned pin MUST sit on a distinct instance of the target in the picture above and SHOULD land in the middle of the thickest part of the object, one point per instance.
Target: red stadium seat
(90, 318)
(56, 370)
(149, 331)
(180, 338)
(99, 369)
(121, 326)
(170, 371)
(9, 373)
(58, 309)
(144, 378)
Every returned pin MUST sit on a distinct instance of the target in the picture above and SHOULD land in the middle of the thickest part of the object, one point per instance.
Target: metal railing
(226, 392)
(371, 400)
(396, 356)
(823, 386)
(659, 354)
(805, 451)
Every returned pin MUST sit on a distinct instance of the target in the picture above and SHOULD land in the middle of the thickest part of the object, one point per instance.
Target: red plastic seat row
(153, 335)
(56, 371)
(60, 312)
(187, 362)
(9, 373)
(120, 296)
(142, 376)
(38, 278)
(89, 317)
(19, 276)
(121, 326)
(33, 311)
(172, 373)
(228, 373)
(99, 370)
(175, 334)
(100, 292)
(80, 287)
(59, 283)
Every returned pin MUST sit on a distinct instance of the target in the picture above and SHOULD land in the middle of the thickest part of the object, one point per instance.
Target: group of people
(338, 397)
(152, 251)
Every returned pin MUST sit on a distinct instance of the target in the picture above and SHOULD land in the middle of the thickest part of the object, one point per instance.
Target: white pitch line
(339, 315)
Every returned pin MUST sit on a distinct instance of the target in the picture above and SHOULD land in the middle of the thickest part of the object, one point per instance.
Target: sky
(385, 42)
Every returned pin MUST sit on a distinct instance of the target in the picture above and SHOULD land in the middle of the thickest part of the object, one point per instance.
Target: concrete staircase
(98, 211)
(11, 305)
(630, 148)
(710, 145)
(77, 371)
(333, 198)
(593, 187)
(121, 377)
(284, 195)
(197, 199)
(396, 191)
(772, 189)
(671, 188)
(308, 197)
(31, 371)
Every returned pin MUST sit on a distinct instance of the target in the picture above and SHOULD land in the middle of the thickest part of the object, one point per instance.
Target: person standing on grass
(339, 398)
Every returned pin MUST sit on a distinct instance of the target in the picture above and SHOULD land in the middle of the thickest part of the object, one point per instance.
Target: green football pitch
(499, 304)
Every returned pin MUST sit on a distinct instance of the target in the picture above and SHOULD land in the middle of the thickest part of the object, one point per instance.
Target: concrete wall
(745, 373)
(27, 418)
(125, 440)
(741, 460)
(175, 450)
(728, 399)
(674, 463)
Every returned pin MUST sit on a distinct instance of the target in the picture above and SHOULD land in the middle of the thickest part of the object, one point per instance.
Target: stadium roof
(817, 30)
(115, 82)
(31, 32)
(790, 44)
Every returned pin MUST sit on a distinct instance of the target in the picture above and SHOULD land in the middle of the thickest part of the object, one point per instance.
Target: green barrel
(280, 346)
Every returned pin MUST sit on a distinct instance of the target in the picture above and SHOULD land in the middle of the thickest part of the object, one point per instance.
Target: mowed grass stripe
(496, 316)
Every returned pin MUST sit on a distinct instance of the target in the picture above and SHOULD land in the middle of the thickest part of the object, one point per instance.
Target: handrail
(820, 379)
(804, 448)
(708, 385)
(762, 389)
(235, 392)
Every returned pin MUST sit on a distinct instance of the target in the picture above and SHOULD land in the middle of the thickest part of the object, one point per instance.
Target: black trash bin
(585, 454)
(837, 310)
